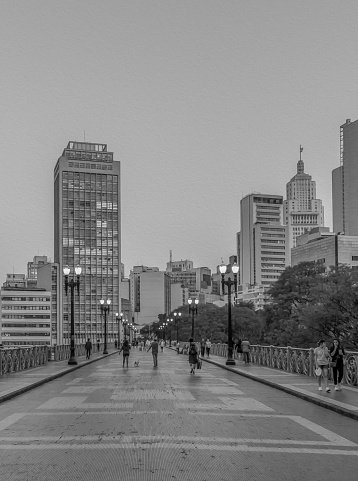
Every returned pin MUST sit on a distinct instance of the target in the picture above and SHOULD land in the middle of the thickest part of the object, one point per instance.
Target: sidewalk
(16, 383)
(305, 387)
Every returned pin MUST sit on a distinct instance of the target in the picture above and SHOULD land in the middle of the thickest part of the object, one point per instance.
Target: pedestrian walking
(193, 355)
(208, 347)
(238, 349)
(154, 347)
(98, 344)
(202, 347)
(88, 347)
(245, 347)
(161, 345)
(337, 354)
(125, 348)
(322, 358)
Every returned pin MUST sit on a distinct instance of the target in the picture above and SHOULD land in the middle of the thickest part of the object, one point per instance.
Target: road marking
(175, 439)
(78, 402)
(245, 404)
(187, 446)
(145, 394)
(223, 390)
(325, 433)
(13, 418)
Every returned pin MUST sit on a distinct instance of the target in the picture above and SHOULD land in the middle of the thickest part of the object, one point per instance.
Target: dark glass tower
(87, 233)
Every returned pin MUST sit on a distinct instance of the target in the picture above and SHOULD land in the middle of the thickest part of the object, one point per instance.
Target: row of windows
(25, 316)
(77, 165)
(25, 334)
(265, 259)
(25, 308)
(27, 299)
(86, 176)
(264, 234)
(24, 325)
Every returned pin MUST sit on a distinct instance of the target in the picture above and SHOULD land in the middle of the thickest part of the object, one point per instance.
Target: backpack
(192, 350)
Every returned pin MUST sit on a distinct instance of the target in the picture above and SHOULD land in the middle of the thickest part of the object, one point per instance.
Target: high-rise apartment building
(25, 316)
(32, 267)
(345, 182)
(87, 233)
(150, 294)
(263, 251)
(302, 211)
(194, 279)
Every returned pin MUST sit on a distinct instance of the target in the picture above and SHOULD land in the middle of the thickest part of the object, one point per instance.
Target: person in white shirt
(322, 359)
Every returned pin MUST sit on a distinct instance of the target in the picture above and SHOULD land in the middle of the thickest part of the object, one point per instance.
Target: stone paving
(105, 422)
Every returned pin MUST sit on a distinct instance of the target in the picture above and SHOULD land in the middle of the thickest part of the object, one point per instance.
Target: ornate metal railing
(14, 359)
(292, 359)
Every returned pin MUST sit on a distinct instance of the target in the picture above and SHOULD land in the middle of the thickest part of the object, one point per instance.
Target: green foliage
(211, 322)
(309, 303)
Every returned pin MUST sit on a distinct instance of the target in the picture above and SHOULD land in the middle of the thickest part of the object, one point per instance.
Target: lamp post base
(230, 362)
(105, 351)
(72, 361)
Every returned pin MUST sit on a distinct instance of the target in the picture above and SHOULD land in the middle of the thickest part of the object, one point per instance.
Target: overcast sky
(202, 102)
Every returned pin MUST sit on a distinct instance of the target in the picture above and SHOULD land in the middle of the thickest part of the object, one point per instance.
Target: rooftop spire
(300, 164)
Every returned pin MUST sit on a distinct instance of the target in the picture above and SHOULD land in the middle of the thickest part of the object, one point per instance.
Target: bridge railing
(292, 359)
(13, 359)
(20, 358)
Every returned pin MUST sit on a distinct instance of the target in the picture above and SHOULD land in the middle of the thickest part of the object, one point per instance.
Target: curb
(21, 390)
(305, 397)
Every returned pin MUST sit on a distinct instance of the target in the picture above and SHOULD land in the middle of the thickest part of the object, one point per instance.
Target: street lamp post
(119, 319)
(105, 309)
(229, 283)
(177, 317)
(194, 310)
(72, 283)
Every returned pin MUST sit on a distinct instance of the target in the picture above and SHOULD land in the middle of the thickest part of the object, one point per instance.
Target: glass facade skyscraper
(87, 233)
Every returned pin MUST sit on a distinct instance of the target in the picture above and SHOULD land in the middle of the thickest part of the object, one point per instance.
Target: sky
(202, 102)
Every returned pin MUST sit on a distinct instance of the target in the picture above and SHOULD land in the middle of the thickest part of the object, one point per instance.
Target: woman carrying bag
(322, 359)
(337, 354)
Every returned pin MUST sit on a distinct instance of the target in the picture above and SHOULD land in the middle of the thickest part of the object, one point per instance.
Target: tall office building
(302, 211)
(87, 233)
(263, 251)
(345, 182)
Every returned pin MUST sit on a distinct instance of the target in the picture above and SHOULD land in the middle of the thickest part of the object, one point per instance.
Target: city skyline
(202, 103)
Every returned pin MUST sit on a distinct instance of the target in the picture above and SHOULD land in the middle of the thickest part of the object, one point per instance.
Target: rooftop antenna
(84, 136)
(170, 260)
(301, 150)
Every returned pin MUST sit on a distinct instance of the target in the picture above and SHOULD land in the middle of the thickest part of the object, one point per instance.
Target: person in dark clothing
(202, 347)
(193, 355)
(238, 349)
(98, 344)
(125, 348)
(337, 353)
(155, 348)
(88, 347)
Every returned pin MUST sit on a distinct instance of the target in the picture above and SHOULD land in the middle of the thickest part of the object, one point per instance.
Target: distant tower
(302, 211)
(87, 232)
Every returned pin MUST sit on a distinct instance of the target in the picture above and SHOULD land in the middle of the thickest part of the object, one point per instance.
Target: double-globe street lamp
(72, 283)
(193, 308)
(119, 318)
(105, 308)
(177, 315)
(229, 283)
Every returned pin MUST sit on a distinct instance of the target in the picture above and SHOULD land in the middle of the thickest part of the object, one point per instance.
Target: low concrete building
(326, 247)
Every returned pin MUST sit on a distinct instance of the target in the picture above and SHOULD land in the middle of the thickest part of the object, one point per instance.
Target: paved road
(103, 422)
